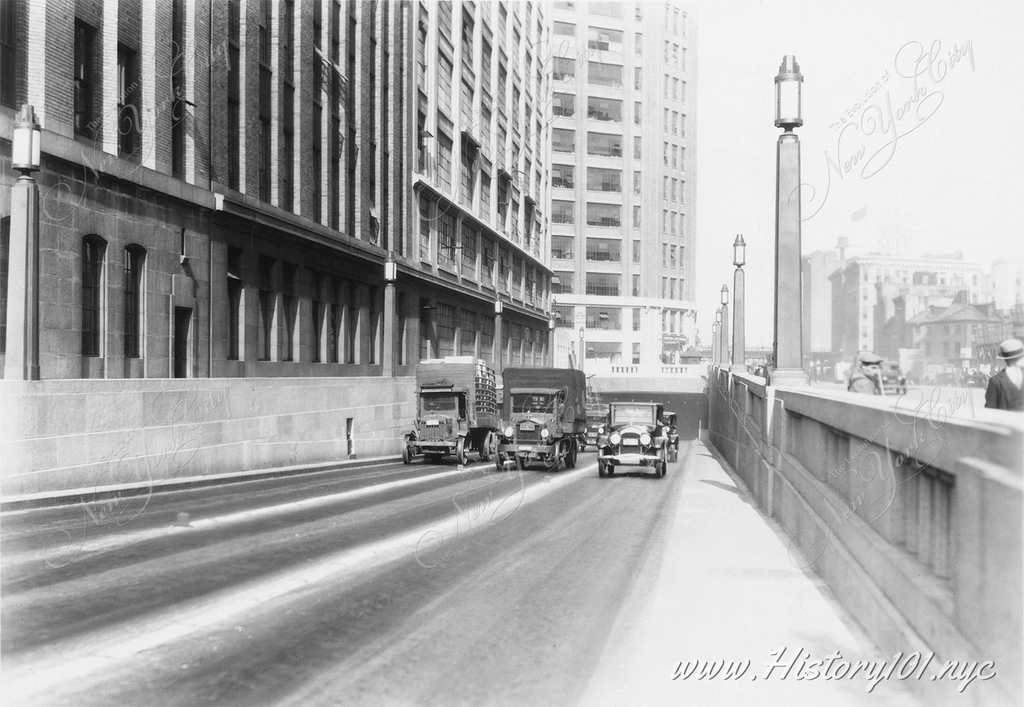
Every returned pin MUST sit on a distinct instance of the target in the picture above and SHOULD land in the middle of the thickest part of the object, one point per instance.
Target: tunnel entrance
(691, 408)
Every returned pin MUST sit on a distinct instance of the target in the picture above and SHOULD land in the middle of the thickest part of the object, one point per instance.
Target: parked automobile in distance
(635, 435)
(597, 416)
(893, 380)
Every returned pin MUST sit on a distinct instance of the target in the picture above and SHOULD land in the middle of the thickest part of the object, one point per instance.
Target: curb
(50, 499)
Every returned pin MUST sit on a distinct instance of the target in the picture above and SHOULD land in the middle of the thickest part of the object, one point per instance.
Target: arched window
(93, 249)
(134, 261)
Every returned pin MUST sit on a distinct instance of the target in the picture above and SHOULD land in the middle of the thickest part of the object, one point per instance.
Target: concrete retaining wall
(74, 434)
(912, 515)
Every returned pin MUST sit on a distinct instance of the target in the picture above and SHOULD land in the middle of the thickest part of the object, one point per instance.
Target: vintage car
(634, 435)
(893, 380)
(597, 416)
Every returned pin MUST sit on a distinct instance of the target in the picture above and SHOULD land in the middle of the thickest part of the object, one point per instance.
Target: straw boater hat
(1011, 349)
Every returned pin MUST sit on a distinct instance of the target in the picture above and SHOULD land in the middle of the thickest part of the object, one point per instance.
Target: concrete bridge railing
(911, 511)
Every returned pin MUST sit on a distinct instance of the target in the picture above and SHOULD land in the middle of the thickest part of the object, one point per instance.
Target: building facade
(623, 168)
(865, 290)
(222, 186)
(815, 270)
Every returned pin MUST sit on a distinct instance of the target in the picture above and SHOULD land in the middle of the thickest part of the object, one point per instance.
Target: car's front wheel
(602, 468)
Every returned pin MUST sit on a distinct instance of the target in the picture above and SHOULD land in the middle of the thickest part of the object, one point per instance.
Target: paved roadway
(386, 585)
(420, 585)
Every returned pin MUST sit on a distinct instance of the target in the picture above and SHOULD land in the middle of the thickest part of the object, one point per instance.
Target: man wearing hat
(1004, 388)
(866, 374)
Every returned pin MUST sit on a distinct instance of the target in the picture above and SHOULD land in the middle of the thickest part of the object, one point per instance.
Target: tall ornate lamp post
(717, 340)
(22, 358)
(551, 340)
(724, 331)
(739, 354)
(788, 313)
(390, 275)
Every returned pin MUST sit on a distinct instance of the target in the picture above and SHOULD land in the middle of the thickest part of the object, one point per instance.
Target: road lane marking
(97, 653)
(127, 537)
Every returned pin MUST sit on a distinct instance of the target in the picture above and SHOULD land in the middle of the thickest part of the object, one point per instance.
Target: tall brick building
(222, 183)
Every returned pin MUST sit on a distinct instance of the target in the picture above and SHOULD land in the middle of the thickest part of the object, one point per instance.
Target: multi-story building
(815, 270)
(622, 179)
(864, 290)
(223, 183)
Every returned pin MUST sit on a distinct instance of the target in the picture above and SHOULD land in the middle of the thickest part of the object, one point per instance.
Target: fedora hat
(1011, 348)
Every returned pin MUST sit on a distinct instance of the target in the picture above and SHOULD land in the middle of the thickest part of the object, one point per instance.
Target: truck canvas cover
(548, 379)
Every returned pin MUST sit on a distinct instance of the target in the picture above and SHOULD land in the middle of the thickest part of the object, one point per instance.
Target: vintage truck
(545, 416)
(456, 410)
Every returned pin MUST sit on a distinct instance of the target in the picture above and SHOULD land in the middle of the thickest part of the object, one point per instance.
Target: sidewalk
(726, 589)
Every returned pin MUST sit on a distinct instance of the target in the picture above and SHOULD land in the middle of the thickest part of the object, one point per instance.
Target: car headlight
(645, 439)
(545, 433)
(600, 430)
(615, 438)
(510, 431)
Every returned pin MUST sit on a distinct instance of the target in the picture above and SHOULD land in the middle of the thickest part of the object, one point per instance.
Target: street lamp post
(725, 326)
(22, 355)
(717, 353)
(739, 354)
(551, 340)
(390, 275)
(788, 305)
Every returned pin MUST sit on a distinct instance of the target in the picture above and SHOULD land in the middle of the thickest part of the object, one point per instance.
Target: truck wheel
(460, 451)
(406, 455)
(570, 458)
(499, 462)
(485, 449)
(602, 468)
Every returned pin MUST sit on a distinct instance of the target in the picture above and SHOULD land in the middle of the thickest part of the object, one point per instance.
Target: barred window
(607, 180)
(604, 284)
(562, 247)
(562, 212)
(563, 140)
(84, 40)
(563, 104)
(562, 176)
(445, 239)
(604, 145)
(604, 318)
(487, 337)
(93, 248)
(134, 259)
(604, 250)
(609, 215)
(605, 109)
(600, 74)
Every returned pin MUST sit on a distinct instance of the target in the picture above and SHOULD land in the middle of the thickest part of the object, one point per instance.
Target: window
(638, 43)
(446, 239)
(636, 217)
(266, 304)
(5, 265)
(444, 162)
(562, 176)
(84, 36)
(600, 74)
(93, 248)
(467, 333)
(637, 78)
(8, 58)
(563, 69)
(290, 304)
(446, 323)
(600, 318)
(606, 9)
(235, 288)
(604, 39)
(608, 250)
(468, 251)
(134, 258)
(468, 173)
(636, 186)
(609, 215)
(563, 104)
(603, 144)
(562, 212)
(562, 247)
(605, 109)
(637, 113)
(234, 95)
(636, 282)
(563, 140)
(637, 153)
(608, 180)
(566, 29)
(603, 284)
(444, 83)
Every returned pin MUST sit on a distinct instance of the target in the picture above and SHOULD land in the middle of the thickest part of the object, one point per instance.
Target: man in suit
(1004, 390)
(866, 374)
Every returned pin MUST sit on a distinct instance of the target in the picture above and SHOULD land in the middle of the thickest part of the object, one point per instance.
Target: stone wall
(912, 514)
(83, 434)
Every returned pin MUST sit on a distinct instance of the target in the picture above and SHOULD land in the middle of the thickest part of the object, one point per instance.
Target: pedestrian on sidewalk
(866, 374)
(1004, 388)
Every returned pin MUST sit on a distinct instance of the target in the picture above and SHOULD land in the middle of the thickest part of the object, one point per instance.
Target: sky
(935, 175)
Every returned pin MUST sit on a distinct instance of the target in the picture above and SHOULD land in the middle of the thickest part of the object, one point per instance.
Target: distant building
(817, 301)
(953, 336)
(864, 290)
